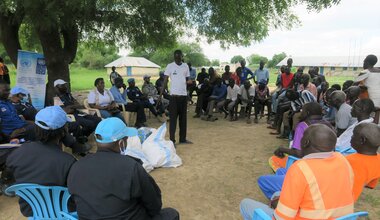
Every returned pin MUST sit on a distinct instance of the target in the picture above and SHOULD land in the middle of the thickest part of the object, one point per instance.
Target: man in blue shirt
(121, 98)
(217, 97)
(245, 72)
(12, 125)
(261, 74)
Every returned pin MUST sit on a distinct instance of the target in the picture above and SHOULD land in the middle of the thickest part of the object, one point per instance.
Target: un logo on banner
(26, 63)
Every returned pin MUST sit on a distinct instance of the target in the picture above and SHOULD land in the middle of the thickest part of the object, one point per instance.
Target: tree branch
(9, 27)
(70, 41)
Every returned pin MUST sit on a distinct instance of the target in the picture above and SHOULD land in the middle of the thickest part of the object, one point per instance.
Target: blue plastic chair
(353, 216)
(290, 161)
(259, 214)
(47, 202)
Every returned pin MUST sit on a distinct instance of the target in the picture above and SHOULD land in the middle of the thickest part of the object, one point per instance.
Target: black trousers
(178, 109)
(137, 107)
(88, 123)
(167, 214)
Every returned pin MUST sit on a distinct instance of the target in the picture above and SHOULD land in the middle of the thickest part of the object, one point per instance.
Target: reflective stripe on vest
(285, 210)
(320, 211)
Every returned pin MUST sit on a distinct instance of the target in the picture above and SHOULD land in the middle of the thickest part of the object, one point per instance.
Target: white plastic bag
(134, 149)
(160, 152)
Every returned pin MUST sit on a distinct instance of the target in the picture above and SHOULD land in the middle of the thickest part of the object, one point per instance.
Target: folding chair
(353, 216)
(259, 214)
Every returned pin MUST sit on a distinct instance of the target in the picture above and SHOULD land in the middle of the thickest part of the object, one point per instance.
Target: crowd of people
(332, 130)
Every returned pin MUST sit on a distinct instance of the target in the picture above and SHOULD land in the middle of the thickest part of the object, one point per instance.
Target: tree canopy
(237, 59)
(256, 58)
(162, 56)
(276, 59)
(60, 25)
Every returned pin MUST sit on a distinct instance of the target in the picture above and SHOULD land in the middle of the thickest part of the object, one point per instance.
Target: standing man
(226, 75)
(245, 72)
(179, 75)
(114, 75)
(261, 74)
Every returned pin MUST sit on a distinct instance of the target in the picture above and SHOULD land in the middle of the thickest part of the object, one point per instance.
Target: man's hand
(279, 153)
(274, 202)
(189, 82)
(124, 86)
(68, 110)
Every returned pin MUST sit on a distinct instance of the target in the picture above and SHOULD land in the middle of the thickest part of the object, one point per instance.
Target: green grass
(83, 79)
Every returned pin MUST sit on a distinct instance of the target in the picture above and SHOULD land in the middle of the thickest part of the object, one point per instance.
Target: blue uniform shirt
(10, 120)
(245, 72)
(219, 92)
(261, 74)
(193, 74)
(118, 96)
(134, 94)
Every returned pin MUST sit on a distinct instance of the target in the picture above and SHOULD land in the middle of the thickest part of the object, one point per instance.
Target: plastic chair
(91, 111)
(353, 216)
(259, 214)
(47, 202)
(346, 151)
(290, 161)
(129, 117)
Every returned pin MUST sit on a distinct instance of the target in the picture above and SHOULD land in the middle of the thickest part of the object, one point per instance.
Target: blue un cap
(113, 129)
(131, 80)
(263, 82)
(17, 90)
(51, 118)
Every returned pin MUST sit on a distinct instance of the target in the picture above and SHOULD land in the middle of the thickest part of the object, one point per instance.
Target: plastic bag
(134, 149)
(160, 152)
(144, 133)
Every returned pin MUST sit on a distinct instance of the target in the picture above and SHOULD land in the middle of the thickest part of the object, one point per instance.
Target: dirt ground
(219, 170)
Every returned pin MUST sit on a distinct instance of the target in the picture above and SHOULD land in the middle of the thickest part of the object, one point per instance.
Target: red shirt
(236, 78)
(286, 80)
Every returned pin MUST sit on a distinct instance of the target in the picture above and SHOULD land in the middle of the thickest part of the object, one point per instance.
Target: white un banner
(31, 75)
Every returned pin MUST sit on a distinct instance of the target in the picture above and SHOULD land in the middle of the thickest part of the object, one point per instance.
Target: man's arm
(165, 85)
(145, 189)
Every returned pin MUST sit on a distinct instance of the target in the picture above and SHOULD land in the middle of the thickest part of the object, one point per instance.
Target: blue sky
(350, 28)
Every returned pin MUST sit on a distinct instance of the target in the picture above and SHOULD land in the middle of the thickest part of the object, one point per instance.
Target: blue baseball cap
(113, 129)
(131, 80)
(51, 118)
(17, 90)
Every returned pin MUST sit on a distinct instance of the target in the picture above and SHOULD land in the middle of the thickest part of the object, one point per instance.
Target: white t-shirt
(243, 92)
(343, 118)
(177, 75)
(94, 97)
(344, 140)
(232, 93)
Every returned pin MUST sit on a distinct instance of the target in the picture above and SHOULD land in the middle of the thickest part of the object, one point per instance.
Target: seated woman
(311, 114)
(102, 99)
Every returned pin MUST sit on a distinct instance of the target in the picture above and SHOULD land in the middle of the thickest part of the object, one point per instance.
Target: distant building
(330, 65)
(133, 66)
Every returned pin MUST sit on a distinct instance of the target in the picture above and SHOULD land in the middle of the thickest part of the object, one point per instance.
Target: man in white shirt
(370, 78)
(179, 74)
(231, 99)
(361, 109)
(246, 99)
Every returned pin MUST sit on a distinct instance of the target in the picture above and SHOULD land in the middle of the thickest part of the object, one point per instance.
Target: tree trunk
(57, 57)
(9, 36)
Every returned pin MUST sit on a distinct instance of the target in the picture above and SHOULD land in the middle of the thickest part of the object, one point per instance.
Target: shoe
(3, 187)
(161, 119)
(197, 116)
(204, 117)
(256, 120)
(274, 133)
(212, 119)
(271, 127)
(249, 121)
(185, 142)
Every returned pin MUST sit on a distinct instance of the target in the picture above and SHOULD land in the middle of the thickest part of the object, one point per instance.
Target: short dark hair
(118, 80)
(371, 59)
(178, 52)
(47, 135)
(347, 84)
(313, 108)
(97, 80)
(336, 86)
(366, 105)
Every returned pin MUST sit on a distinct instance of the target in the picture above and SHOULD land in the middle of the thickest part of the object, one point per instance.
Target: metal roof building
(133, 66)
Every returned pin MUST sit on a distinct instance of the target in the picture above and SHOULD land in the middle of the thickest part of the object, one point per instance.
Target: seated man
(311, 114)
(150, 91)
(343, 117)
(128, 192)
(135, 95)
(204, 92)
(160, 83)
(43, 161)
(246, 97)
(71, 106)
(366, 162)
(23, 106)
(308, 192)
(362, 110)
(231, 100)
(121, 99)
(217, 98)
(262, 99)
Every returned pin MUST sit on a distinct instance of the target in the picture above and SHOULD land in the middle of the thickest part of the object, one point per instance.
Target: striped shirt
(305, 97)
